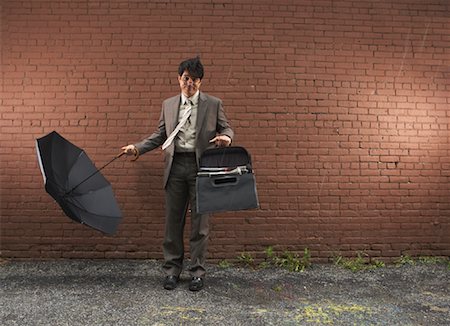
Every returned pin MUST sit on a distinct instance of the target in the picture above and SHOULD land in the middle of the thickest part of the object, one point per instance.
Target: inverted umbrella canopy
(76, 184)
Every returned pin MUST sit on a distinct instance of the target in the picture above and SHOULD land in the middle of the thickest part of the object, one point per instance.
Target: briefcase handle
(224, 181)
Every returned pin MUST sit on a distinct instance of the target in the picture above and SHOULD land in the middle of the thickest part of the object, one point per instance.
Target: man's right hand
(131, 150)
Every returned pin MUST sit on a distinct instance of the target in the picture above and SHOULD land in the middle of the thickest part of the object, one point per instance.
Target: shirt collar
(193, 98)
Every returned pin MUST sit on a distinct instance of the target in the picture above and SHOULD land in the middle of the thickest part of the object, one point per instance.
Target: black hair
(193, 66)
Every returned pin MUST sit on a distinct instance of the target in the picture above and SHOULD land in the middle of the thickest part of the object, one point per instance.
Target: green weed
(264, 265)
(292, 261)
(431, 260)
(378, 263)
(359, 263)
(269, 253)
(268, 260)
(224, 264)
(428, 260)
(287, 260)
(404, 260)
(246, 259)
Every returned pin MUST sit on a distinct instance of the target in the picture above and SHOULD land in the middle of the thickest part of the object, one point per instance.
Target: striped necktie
(184, 118)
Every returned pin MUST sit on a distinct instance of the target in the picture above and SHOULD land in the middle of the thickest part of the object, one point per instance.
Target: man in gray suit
(189, 123)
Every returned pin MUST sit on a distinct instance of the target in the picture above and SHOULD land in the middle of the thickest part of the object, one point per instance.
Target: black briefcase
(225, 181)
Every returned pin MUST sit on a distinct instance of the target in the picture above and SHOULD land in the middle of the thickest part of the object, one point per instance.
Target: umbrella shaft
(104, 166)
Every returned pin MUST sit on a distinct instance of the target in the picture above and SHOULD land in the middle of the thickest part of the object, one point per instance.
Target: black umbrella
(75, 183)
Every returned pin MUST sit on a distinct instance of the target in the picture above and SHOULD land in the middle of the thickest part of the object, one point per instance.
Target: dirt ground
(87, 292)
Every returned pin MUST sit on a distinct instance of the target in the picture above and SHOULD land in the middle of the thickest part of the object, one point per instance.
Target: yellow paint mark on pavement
(175, 309)
(328, 312)
(439, 309)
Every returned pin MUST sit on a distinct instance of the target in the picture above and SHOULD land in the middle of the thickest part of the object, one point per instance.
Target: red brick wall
(344, 106)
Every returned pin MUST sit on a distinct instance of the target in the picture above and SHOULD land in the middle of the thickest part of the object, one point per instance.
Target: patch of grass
(377, 263)
(246, 259)
(431, 260)
(287, 260)
(404, 260)
(292, 261)
(225, 264)
(268, 260)
(264, 265)
(270, 254)
(428, 260)
(359, 263)
(353, 264)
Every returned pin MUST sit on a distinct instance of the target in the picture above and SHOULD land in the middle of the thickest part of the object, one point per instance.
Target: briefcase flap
(232, 156)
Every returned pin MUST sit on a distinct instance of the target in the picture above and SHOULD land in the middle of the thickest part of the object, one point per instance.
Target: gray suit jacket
(211, 121)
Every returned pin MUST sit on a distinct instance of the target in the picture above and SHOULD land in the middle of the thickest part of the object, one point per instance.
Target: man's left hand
(221, 141)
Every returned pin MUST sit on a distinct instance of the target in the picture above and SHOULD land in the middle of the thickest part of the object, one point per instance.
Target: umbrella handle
(123, 153)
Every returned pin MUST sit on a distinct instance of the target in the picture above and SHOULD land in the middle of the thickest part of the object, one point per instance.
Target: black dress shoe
(196, 284)
(171, 282)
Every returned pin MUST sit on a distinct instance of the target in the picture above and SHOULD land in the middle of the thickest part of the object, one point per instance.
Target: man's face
(189, 85)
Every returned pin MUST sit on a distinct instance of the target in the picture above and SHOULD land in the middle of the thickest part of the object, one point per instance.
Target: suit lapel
(173, 108)
(201, 113)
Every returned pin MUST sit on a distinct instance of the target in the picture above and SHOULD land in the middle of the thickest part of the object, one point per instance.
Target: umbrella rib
(94, 173)
(75, 203)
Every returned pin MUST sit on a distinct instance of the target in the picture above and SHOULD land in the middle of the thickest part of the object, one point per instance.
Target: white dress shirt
(185, 139)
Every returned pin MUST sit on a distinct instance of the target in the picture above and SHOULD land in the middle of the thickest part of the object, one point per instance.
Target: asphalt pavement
(130, 292)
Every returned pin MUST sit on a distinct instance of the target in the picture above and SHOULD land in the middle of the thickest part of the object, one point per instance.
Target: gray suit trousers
(180, 195)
